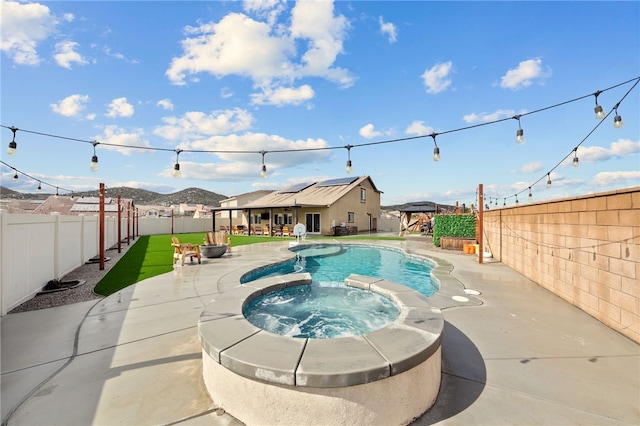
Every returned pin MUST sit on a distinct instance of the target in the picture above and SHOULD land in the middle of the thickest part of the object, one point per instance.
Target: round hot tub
(387, 376)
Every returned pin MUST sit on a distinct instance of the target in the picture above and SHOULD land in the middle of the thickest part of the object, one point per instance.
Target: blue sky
(304, 80)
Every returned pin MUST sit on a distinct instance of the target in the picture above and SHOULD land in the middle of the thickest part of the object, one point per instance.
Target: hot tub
(387, 376)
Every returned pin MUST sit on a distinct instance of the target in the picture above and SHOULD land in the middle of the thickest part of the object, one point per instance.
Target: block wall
(585, 250)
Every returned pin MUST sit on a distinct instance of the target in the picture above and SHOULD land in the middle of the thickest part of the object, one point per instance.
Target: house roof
(311, 194)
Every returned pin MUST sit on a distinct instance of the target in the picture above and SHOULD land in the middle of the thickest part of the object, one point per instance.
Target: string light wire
(636, 80)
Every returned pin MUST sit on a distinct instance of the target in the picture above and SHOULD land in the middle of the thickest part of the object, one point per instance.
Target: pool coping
(232, 341)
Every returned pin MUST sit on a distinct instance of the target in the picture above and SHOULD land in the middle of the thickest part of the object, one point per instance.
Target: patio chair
(256, 231)
(285, 231)
(266, 231)
(181, 251)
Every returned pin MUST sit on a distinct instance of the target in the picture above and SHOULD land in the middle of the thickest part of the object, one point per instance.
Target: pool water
(328, 308)
(321, 311)
(333, 263)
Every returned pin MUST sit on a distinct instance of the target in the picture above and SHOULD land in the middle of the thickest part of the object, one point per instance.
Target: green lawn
(153, 255)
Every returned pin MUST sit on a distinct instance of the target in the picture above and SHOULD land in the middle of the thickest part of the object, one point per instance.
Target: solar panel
(295, 188)
(337, 182)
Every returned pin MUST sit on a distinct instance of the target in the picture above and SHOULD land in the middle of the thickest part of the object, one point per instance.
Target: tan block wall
(585, 250)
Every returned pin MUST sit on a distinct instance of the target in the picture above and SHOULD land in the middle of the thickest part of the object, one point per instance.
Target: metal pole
(480, 219)
(101, 250)
(119, 225)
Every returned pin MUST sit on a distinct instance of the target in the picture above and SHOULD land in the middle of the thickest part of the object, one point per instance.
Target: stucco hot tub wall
(388, 376)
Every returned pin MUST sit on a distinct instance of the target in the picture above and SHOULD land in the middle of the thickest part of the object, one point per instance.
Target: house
(231, 208)
(330, 207)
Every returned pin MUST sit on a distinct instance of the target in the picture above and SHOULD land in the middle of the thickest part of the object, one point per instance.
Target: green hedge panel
(459, 225)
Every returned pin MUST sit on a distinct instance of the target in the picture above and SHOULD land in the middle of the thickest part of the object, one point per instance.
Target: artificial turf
(152, 255)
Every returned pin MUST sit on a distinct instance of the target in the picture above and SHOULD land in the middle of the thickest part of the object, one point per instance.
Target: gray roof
(318, 194)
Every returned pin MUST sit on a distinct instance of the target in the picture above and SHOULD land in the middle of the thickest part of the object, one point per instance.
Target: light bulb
(15, 176)
(94, 163)
(12, 148)
(436, 154)
(575, 161)
(599, 112)
(617, 122)
(176, 170)
(263, 173)
(349, 168)
(520, 136)
(548, 181)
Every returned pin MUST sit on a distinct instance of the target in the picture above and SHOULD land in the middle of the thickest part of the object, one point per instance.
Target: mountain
(139, 196)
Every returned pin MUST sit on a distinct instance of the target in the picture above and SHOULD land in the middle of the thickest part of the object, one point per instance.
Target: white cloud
(418, 128)
(231, 166)
(283, 96)
(524, 75)
(120, 108)
(389, 29)
(66, 55)
(71, 106)
(165, 104)
(265, 51)
(367, 131)
(534, 166)
(608, 178)
(22, 27)
(437, 78)
(226, 92)
(490, 117)
(195, 124)
(119, 137)
(593, 154)
(118, 55)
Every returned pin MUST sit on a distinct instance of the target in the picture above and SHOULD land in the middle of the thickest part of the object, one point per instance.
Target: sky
(222, 87)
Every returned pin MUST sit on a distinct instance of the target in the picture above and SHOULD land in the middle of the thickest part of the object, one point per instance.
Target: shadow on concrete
(463, 377)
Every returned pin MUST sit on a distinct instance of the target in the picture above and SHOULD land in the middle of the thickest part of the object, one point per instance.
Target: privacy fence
(584, 249)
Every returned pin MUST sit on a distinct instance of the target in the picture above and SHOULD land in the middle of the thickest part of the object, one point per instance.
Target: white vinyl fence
(37, 248)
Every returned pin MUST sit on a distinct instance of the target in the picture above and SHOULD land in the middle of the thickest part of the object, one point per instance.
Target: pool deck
(514, 354)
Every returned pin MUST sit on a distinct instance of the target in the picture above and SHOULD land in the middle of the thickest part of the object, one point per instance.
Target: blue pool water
(328, 308)
(332, 263)
(321, 312)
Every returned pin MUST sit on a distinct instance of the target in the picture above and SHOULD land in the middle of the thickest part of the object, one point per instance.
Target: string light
(56, 192)
(436, 150)
(349, 168)
(517, 199)
(617, 120)
(519, 132)
(598, 109)
(176, 167)
(530, 194)
(263, 172)
(548, 180)
(576, 162)
(39, 186)
(13, 144)
(94, 160)
(15, 175)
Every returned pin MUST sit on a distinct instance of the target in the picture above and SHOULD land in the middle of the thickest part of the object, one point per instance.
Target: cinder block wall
(585, 249)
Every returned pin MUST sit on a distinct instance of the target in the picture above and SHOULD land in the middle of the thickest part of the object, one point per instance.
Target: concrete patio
(517, 354)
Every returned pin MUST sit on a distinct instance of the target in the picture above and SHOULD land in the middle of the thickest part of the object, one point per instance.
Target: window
(278, 219)
(363, 195)
(288, 219)
(351, 217)
(255, 219)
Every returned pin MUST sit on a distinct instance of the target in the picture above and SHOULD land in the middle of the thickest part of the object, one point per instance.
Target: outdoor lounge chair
(181, 251)
(285, 231)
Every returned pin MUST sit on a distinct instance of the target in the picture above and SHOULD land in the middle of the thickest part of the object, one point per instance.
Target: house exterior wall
(584, 249)
(364, 210)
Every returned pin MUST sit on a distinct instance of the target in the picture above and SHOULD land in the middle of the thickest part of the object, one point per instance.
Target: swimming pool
(330, 264)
